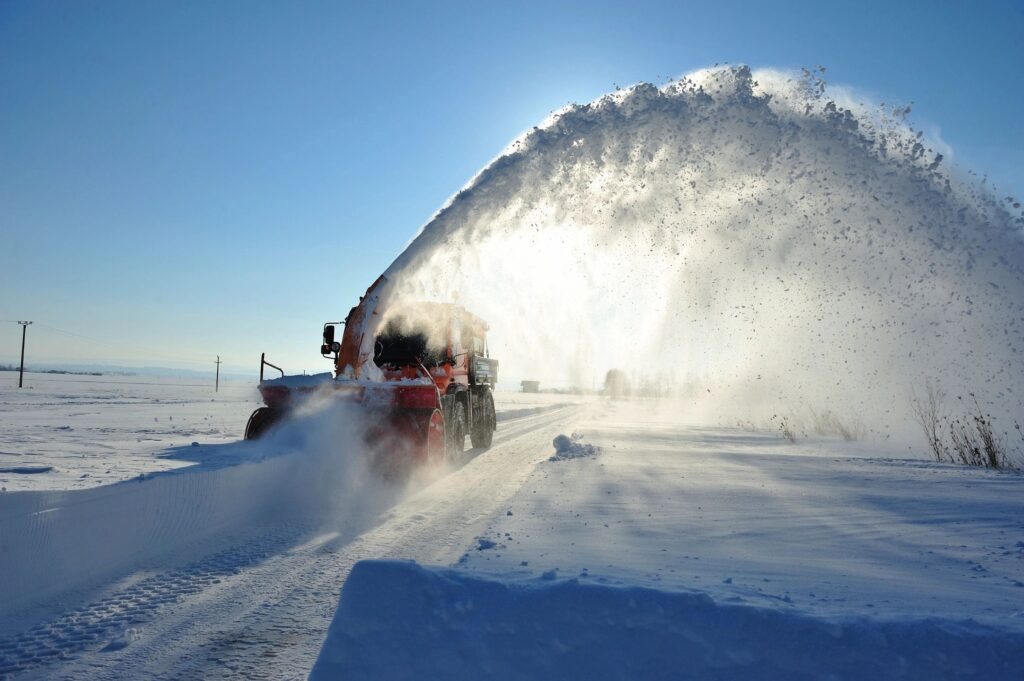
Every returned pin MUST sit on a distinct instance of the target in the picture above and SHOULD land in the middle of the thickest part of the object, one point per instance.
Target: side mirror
(330, 345)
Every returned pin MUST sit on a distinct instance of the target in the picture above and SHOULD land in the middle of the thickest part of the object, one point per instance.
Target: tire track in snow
(113, 621)
(436, 526)
(270, 620)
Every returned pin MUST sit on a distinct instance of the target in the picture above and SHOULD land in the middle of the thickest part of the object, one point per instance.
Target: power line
(170, 357)
(106, 344)
(69, 333)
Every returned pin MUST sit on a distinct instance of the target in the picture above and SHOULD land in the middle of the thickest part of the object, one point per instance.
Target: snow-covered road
(233, 566)
(250, 596)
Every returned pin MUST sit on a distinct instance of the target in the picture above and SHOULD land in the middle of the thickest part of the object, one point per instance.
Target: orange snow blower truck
(420, 374)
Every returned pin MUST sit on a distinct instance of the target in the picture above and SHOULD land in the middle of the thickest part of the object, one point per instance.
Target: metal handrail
(264, 362)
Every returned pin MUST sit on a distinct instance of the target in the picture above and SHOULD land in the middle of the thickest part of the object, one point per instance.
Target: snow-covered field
(63, 432)
(72, 432)
(822, 526)
(667, 548)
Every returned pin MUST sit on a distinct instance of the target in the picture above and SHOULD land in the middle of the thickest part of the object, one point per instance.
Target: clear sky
(185, 179)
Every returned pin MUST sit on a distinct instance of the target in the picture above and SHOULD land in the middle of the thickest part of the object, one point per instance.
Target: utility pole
(216, 386)
(21, 372)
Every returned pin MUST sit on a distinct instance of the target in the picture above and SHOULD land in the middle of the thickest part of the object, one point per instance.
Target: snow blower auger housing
(421, 372)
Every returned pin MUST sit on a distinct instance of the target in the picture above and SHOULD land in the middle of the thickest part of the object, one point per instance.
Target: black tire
(484, 423)
(455, 428)
(260, 422)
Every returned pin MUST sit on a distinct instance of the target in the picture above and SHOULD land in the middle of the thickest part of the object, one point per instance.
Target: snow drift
(397, 620)
(311, 472)
(750, 238)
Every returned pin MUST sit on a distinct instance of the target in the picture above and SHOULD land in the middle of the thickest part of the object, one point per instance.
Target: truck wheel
(457, 431)
(435, 438)
(483, 425)
(260, 422)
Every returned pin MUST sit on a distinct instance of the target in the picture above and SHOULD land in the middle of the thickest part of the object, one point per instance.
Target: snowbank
(56, 543)
(399, 620)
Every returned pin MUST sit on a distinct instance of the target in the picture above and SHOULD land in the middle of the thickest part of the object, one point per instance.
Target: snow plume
(329, 476)
(335, 472)
(753, 239)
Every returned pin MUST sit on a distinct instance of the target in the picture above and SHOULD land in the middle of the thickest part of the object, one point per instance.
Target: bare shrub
(973, 440)
(785, 428)
(617, 385)
(827, 423)
(747, 425)
(928, 412)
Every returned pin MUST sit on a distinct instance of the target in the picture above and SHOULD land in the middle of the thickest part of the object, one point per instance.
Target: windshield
(398, 346)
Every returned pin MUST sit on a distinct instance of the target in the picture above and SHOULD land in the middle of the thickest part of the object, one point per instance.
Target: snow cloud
(753, 239)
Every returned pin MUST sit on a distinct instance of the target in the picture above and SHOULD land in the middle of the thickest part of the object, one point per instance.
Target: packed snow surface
(402, 621)
(678, 551)
(229, 561)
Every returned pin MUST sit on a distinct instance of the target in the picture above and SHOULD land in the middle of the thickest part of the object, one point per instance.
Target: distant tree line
(12, 367)
(619, 386)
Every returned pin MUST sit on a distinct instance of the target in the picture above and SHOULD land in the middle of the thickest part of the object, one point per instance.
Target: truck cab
(446, 344)
(422, 371)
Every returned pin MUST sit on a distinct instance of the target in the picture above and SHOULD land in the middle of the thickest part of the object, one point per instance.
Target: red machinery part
(418, 397)
(407, 439)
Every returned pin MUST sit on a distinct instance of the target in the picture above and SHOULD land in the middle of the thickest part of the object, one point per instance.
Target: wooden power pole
(216, 387)
(21, 371)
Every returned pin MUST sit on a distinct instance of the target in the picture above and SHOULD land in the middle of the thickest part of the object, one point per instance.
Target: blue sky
(180, 180)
